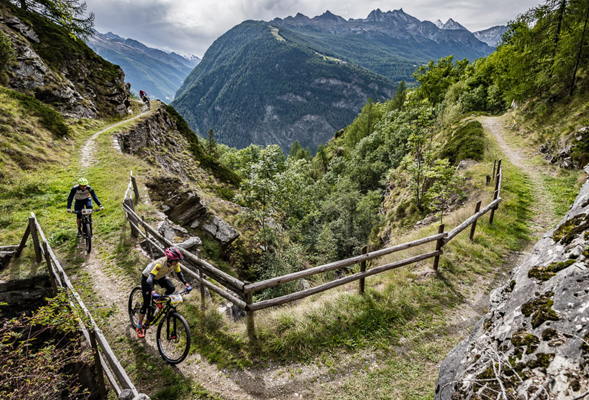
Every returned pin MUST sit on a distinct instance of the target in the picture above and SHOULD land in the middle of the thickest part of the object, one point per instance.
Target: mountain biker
(157, 272)
(83, 193)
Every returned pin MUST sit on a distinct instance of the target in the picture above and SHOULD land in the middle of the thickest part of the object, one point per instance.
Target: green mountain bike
(173, 333)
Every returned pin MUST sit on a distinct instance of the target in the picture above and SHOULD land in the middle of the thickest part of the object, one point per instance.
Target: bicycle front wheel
(88, 237)
(135, 303)
(173, 338)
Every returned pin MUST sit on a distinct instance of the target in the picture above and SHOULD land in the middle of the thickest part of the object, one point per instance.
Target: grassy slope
(391, 339)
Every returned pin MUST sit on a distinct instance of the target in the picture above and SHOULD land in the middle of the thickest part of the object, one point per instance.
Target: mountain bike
(146, 101)
(86, 226)
(173, 333)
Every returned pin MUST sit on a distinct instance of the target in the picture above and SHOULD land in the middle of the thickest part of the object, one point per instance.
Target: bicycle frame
(168, 307)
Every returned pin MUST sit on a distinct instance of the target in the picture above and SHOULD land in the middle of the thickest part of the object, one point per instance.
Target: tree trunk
(577, 60)
(559, 21)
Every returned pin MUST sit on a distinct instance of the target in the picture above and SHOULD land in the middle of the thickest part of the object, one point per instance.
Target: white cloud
(190, 26)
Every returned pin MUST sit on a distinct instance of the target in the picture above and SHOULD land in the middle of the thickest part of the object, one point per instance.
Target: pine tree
(71, 14)
(212, 144)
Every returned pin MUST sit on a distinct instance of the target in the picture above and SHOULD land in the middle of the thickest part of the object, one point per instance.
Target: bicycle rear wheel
(173, 338)
(88, 237)
(135, 303)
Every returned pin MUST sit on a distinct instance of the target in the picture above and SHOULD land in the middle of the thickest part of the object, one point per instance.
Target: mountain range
(302, 79)
(158, 72)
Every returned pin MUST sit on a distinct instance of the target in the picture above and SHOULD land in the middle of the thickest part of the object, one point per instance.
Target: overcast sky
(191, 26)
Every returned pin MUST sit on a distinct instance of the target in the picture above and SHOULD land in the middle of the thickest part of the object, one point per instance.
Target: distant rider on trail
(145, 98)
(157, 272)
(83, 193)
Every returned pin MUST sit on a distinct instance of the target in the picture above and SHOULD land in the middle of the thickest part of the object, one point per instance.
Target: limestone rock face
(535, 338)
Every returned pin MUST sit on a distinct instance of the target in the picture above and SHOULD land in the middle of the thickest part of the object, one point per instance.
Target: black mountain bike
(146, 101)
(86, 226)
(173, 333)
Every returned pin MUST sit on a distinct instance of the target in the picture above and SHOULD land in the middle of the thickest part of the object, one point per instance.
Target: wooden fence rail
(105, 360)
(241, 293)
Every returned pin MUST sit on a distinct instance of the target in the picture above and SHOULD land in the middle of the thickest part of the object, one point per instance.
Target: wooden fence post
(496, 193)
(35, 237)
(52, 277)
(477, 208)
(23, 242)
(149, 248)
(135, 188)
(362, 269)
(202, 285)
(97, 364)
(251, 327)
(129, 203)
(439, 244)
(488, 180)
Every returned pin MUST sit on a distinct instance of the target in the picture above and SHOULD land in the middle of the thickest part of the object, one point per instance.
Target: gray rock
(191, 243)
(170, 230)
(221, 231)
(538, 324)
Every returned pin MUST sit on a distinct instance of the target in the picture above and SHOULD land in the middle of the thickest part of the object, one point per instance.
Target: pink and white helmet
(173, 254)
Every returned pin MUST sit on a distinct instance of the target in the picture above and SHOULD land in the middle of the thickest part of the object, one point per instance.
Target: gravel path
(543, 218)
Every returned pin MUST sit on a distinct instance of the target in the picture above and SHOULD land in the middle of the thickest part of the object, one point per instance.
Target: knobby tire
(173, 338)
(135, 303)
(88, 237)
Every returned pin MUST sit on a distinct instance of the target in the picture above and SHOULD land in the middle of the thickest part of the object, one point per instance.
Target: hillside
(157, 72)
(306, 96)
(302, 79)
(68, 75)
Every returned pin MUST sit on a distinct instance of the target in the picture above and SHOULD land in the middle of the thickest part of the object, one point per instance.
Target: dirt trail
(543, 218)
(87, 153)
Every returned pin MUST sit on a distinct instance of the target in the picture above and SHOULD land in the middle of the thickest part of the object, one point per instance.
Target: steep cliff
(159, 140)
(59, 70)
(534, 341)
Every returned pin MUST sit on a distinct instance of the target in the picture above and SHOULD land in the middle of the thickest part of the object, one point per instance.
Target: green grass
(563, 188)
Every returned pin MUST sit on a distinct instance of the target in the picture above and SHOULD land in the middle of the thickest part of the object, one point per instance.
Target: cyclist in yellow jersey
(157, 272)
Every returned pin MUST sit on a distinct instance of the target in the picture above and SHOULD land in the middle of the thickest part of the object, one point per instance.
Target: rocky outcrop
(224, 233)
(572, 155)
(78, 84)
(534, 341)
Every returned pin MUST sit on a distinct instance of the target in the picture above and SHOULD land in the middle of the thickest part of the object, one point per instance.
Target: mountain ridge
(359, 59)
(156, 71)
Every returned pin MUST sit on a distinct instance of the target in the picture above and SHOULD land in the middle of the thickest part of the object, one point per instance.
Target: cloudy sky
(191, 26)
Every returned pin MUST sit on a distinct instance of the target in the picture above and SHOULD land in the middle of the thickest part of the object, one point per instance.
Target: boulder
(221, 231)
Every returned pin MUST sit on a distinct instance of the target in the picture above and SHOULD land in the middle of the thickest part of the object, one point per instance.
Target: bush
(466, 143)
(6, 51)
(473, 100)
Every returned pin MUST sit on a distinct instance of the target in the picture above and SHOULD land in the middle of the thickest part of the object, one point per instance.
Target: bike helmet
(173, 254)
(82, 181)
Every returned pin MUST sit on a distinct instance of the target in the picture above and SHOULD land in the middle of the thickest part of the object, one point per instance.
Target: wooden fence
(105, 361)
(241, 293)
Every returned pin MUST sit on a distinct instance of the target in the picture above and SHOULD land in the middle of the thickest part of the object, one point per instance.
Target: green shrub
(6, 50)
(466, 143)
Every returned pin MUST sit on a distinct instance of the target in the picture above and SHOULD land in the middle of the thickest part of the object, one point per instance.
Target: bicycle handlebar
(91, 211)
